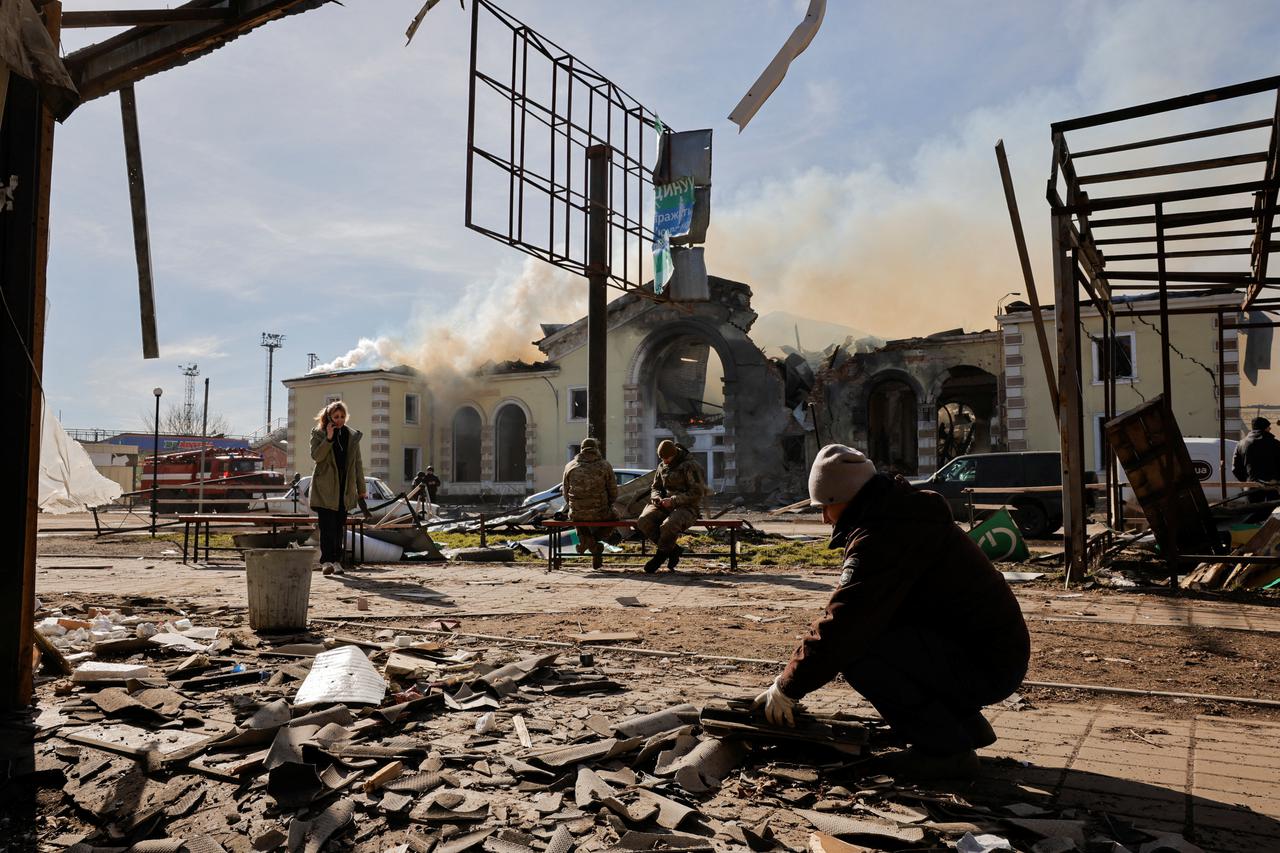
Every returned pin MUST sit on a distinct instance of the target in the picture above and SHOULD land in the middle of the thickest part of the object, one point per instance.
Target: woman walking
(337, 483)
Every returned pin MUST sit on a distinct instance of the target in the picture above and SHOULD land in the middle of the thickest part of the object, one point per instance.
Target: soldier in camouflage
(590, 489)
(675, 503)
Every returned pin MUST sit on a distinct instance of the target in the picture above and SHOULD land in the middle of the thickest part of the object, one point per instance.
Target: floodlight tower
(312, 360)
(270, 342)
(190, 371)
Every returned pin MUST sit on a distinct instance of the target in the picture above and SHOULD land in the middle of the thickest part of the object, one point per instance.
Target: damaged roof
(141, 51)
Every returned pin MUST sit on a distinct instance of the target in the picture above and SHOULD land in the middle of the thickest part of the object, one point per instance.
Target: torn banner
(672, 217)
(777, 69)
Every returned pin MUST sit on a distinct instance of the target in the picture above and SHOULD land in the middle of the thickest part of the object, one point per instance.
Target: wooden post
(138, 207)
(1028, 277)
(1070, 403)
(26, 152)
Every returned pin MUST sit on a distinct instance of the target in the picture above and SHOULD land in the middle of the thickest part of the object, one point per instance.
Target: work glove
(779, 708)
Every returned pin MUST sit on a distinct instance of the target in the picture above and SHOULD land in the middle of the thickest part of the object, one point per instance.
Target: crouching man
(590, 488)
(675, 503)
(920, 622)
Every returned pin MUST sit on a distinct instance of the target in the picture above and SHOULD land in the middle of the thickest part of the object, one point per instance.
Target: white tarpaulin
(772, 75)
(68, 480)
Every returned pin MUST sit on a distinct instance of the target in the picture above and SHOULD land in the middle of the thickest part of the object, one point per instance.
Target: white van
(1204, 458)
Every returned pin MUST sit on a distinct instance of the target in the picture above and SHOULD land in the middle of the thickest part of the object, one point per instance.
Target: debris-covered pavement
(178, 729)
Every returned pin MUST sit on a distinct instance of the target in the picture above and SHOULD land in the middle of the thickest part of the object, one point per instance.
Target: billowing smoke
(491, 323)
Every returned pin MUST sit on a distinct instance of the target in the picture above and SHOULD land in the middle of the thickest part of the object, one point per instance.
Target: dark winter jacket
(1257, 458)
(907, 563)
(682, 480)
(589, 487)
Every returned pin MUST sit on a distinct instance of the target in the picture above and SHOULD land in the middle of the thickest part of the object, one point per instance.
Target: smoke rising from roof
(492, 323)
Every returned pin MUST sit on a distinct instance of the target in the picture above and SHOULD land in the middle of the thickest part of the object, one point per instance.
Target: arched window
(509, 439)
(466, 445)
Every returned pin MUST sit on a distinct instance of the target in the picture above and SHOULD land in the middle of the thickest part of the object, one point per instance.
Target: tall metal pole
(204, 443)
(155, 462)
(271, 357)
(597, 290)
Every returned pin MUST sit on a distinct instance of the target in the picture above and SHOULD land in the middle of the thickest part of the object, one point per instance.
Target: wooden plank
(1237, 90)
(124, 59)
(1177, 137)
(1028, 277)
(138, 208)
(142, 17)
(1206, 235)
(1070, 428)
(1176, 168)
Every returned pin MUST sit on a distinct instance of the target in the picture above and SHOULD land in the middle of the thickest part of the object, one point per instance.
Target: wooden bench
(555, 538)
(193, 522)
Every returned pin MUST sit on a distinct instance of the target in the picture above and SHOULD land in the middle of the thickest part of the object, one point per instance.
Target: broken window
(577, 404)
(411, 408)
(1124, 364)
(509, 436)
(466, 445)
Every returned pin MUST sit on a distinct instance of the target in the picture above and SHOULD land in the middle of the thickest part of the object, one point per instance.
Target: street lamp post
(1002, 299)
(155, 461)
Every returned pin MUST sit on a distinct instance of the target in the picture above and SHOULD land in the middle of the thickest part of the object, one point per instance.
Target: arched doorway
(892, 432)
(466, 445)
(509, 441)
(966, 403)
(685, 392)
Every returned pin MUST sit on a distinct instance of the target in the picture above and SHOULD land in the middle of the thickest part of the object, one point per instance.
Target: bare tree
(176, 420)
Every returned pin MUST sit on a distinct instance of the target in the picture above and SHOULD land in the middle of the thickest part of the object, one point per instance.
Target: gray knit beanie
(838, 474)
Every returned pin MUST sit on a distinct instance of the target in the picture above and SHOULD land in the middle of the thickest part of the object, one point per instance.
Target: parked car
(284, 504)
(554, 500)
(1037, 514)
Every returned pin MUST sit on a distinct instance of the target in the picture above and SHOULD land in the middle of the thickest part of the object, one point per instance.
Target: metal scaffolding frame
(1154, 224)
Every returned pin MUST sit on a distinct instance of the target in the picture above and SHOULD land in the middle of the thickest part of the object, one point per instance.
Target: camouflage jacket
(681, 479)
(589, 487)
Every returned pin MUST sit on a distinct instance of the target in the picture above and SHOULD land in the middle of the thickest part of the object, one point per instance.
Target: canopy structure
(1173, 195)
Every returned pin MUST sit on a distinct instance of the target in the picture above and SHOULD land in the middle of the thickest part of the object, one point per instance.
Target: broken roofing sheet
(382, 742)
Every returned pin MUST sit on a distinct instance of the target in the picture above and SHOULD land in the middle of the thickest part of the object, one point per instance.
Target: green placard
(1000, 539)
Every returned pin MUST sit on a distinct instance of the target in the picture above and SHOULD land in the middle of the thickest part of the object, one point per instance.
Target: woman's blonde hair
(323, 414)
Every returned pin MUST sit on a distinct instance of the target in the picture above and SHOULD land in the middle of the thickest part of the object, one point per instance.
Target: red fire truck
(232, 477)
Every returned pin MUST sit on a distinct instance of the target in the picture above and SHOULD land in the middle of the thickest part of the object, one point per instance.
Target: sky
(308, 179)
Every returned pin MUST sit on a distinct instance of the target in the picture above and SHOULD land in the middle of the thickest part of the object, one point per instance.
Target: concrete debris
(365, 743)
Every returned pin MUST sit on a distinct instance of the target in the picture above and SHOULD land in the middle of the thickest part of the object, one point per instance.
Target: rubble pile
(169, 735)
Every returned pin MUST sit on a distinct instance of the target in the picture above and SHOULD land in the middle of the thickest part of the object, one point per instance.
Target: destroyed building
(689, 371)
(915, 403)
(686, 371)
